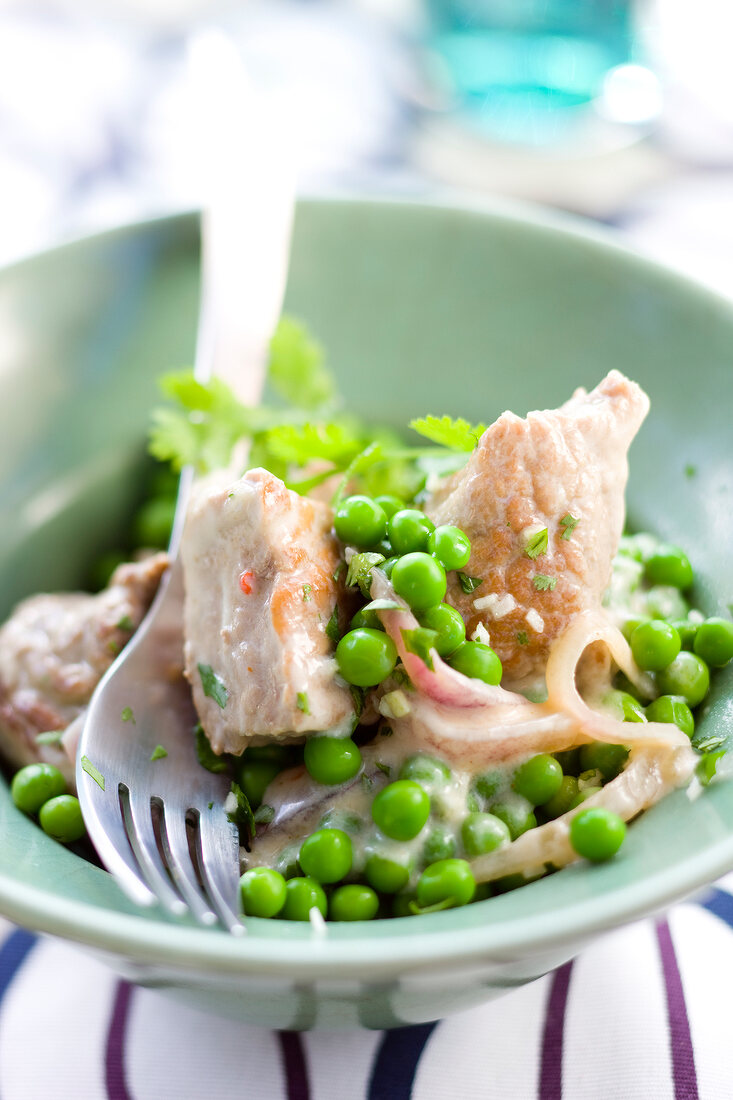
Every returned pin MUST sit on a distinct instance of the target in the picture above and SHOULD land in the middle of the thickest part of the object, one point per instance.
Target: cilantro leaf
(468, 584)
(707, 766)
(297, 369)
(203, 425)
(360, 571)
(333, 631)
(88, 767)
(456, 434)
(420, 641)
(242, 815)
(213, 686)
(543, 583)
(568, 523)
(50, 737)
(264, 814)
(302, 702)
(158, 753)
(522, 637)
(536, 544)
(207, 758)
(299, 444)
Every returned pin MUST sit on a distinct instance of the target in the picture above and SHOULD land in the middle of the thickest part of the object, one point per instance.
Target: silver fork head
(159, 825)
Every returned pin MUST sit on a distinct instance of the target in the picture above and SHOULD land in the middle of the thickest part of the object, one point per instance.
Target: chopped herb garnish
(297, 367)
(125, 623)
(264, 814)
(709, 744)
(128, 716)
(360, 571)
(386, 731)
(357, 697)
(543, 583)
(88, 767)
(383, 605)
(367, 782)
(213, 687)
(302, 702)
(522, 637)
(158, 753)
(242, 815)
(568, 524)
(49, 737)
(113, 647)
(457, 434)
(333, 631)
(338, 571)
(207, 758)
(690, 470)
(468, 584)
(385, 769)
(420, 641)
(707, 766)
(307, 592)
(536, 544)
(211, 805)
(401, 679)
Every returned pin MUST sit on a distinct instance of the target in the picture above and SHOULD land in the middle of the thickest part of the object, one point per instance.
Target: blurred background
(619, 110)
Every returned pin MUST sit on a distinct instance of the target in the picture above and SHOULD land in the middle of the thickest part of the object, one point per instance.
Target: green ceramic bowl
(422, 308)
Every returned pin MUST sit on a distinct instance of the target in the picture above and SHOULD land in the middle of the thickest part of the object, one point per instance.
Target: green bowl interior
(422, 309)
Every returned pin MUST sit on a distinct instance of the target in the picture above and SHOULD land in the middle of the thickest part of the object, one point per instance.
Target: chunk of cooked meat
(258, 565)
(562, 470)
(54, 650)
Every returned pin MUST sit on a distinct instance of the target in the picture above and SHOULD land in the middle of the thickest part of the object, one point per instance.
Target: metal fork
(158, 821)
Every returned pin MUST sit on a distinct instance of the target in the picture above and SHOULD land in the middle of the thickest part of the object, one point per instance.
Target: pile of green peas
(678, 649)
(40, 790)
(418, 556)
(432, 871)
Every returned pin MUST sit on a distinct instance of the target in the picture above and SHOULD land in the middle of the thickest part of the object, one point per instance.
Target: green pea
(669, 565)
(478, 661)
(420, 580)
(359, 520)
(606, 759)
(254, 777)
(369, 619)
(447, 880)
(263, 892)
(35, 784)
(631, 624)
(409, 530)
(389, 504)
(326, 855)
(584, 794)
(450, 546)
(561, 802)
(672, 708)
(654, 645)
(401, 809)
(597, 833)
(688, 676)
(386, 875)
(432, 774)
(302, 895)
(61, 818)
(331, 760)
(624, 706)
(482, 833)
(538, 778)
(516, 814)
(714, 642)
(489, 784)
(449, 624)
(366, 657)
(353, 902)
(440, 844)
(622, 683)
(152, 523)
(687, 631)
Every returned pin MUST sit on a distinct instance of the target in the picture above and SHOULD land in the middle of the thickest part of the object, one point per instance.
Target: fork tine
(105, 824)
(138, 814)
(174, 836)
(218, 849)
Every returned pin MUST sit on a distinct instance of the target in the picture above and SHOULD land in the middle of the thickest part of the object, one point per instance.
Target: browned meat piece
(258, 566)
(54, 651)
(564, 470)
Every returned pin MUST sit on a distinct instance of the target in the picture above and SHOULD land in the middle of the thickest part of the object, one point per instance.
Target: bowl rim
(342, 951)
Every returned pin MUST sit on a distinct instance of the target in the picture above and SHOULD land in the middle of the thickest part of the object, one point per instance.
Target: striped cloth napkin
(643, 1014)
